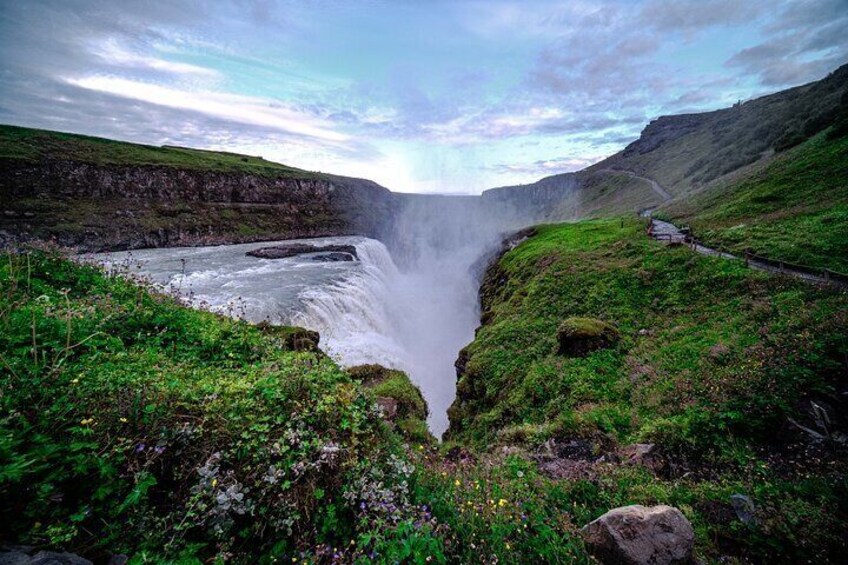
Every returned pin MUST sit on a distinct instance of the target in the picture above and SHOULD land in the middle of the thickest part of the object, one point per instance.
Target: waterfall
(410, 304)
(353, 314)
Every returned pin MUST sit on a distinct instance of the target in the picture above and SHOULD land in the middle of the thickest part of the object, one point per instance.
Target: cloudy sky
(421, 96)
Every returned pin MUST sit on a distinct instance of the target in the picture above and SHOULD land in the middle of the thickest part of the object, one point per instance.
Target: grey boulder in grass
(631, 535)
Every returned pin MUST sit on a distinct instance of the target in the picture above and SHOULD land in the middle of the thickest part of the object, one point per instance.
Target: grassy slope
(612, 194)
(34, 145)
(727, 355)
(132, 424)
(795, 209)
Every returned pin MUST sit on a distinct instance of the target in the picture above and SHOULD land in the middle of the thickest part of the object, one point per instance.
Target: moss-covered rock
(401, 400)
(292, 338)
(577, 337)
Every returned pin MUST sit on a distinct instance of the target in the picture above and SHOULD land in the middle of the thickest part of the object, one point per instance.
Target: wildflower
(520, 474)
(214, 483)
(508, 547)
(87, 421)
(123, 420)
(74, 381)
(456, 483)
(420, 447)
(502, 502)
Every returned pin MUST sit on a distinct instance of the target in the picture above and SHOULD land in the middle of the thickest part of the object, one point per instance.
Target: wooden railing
(824, 275)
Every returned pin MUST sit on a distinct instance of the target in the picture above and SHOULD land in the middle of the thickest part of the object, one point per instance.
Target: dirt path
(655, 186)
(668, 232)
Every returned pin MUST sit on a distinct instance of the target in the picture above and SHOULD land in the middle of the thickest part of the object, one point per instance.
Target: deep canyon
(409, 302)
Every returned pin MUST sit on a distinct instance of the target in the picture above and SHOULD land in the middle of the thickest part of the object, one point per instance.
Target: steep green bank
(795, 209)
(720, 367)
(131, 424)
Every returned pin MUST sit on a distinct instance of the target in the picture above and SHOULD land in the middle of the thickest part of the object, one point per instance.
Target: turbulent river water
(367, 311)
(409, 304)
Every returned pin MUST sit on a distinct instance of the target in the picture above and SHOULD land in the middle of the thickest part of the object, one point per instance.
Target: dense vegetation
(34, 145)
(794, 209)
(133, 424)
(713, 360)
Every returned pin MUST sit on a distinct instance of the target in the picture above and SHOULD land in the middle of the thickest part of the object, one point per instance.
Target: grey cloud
(542, 168)
(673, 15)
(46, 103)
(805, 13)
(804, 42)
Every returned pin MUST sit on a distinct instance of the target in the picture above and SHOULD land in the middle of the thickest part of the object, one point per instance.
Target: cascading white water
(415, 319)
(353, 314)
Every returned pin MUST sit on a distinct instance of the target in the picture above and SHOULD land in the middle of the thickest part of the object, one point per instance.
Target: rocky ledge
(327, 252)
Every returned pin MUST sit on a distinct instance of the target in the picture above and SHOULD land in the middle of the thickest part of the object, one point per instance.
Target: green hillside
(685, 152)
(36, 145)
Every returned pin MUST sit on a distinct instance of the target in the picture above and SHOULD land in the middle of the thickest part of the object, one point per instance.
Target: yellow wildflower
(502, 502)
(124, 420)
(74, 381)
(456, 483)
(214, 483)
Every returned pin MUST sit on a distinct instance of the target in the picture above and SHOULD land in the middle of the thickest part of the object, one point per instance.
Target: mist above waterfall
(438, 244)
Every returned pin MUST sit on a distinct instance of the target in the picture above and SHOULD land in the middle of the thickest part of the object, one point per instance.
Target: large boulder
(631, 535)
(577, 337)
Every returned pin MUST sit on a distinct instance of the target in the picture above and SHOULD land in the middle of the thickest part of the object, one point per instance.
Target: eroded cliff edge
(141, 196)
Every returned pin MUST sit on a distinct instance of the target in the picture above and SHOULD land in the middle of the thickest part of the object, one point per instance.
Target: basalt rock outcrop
(331, 252)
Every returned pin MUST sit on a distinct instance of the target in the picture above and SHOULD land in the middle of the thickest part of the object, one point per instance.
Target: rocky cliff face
(551, 198)
(97, 207)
